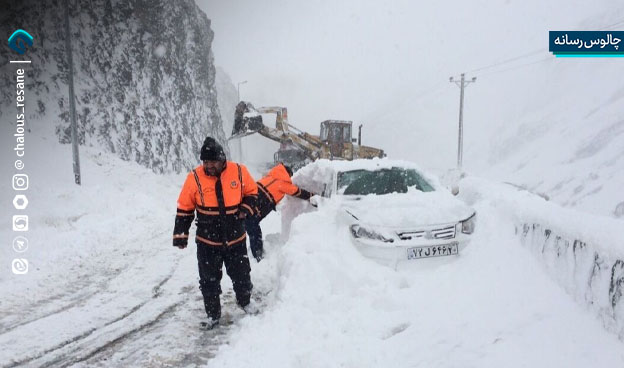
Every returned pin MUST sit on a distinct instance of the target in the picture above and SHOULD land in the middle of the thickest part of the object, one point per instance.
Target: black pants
(252, 225)
(210, 260)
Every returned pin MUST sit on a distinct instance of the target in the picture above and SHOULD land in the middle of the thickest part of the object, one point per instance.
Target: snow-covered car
(394, 211)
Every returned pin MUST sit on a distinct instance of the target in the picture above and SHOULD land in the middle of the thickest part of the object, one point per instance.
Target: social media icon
(20, 202)
(19, 266)
(19, 41)
(20, 244)
(20, 181)
(20, 223)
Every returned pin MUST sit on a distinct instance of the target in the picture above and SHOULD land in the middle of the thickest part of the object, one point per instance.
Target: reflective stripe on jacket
(217, 202)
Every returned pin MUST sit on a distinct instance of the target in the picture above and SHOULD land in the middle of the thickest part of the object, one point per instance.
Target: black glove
(180, 242)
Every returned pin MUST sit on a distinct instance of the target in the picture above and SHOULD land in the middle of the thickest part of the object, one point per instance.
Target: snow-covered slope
(551, 124)
(570, 145)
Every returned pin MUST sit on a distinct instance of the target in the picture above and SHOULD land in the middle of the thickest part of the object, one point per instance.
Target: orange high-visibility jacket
(274, 186)
(217, 201)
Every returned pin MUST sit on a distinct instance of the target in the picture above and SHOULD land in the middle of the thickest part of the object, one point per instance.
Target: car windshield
(384, 181)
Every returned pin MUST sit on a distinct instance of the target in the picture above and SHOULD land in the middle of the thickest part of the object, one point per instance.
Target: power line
(508, 60)
(541, 60)
(517, 66)
(435, 87)
(529, 54)
(613, 25)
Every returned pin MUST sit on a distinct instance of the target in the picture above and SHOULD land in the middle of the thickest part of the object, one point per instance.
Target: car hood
(406, 210)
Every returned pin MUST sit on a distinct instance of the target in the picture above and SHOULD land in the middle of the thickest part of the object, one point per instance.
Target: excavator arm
(336, 145)
(248, 120)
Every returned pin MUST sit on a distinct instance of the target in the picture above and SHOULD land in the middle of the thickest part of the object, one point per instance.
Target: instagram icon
(20, 181)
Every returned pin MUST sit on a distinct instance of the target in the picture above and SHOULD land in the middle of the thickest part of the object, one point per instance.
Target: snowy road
(494, 306)
(119, 295)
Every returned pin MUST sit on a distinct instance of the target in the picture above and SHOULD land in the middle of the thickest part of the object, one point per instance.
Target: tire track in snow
(69, 360)
(80, 283)
(72, 303)
(156, 292)
(163, 337)
(199, 350)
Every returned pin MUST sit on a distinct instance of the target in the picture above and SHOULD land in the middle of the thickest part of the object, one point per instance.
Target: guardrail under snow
(583, 252)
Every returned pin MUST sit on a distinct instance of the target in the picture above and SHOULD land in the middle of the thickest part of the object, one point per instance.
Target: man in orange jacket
(271, 190)
(222, 193)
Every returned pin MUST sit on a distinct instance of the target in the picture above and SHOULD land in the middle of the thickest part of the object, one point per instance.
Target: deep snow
(493, 306)
(106, 288)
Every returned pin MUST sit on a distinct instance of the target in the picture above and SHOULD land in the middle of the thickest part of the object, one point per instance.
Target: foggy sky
(364, 60)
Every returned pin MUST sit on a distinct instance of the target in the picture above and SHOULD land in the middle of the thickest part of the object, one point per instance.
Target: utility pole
(72, 106)
(463, 83)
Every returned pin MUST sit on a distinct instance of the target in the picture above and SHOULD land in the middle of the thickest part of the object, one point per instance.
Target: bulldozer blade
(246, 120)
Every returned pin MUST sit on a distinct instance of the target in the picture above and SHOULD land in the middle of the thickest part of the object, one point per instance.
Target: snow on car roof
(367, 164)
(316, 175)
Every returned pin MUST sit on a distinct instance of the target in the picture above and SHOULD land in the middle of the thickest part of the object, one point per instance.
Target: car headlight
(468, 225)
(361, 232)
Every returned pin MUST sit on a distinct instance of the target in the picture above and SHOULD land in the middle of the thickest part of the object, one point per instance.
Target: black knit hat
(212, 150)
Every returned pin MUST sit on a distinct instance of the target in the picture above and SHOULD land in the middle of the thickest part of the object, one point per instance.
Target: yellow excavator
(297, 148)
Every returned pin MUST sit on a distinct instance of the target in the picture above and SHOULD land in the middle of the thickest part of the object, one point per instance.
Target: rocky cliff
(143, 73)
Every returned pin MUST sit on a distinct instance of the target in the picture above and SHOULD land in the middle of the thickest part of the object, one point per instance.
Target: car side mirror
(455, 189)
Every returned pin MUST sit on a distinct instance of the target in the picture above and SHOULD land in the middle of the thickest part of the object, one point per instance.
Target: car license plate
(433, 251)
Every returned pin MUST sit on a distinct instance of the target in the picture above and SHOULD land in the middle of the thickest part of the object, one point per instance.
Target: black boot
(212, 303)
(209, 324)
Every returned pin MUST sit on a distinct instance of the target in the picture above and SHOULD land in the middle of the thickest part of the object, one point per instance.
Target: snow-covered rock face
(405, 210)
(143, 73)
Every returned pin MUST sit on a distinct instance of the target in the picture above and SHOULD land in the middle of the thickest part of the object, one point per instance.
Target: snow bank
(332, 307)
(583, 252)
